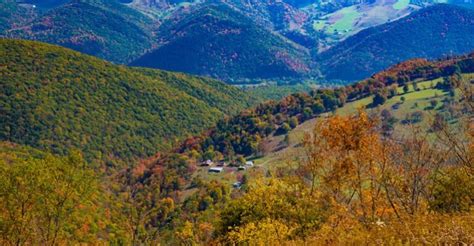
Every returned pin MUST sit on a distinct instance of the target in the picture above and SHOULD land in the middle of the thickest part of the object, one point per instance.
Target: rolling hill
(433, 32)
(57, 99)
(218, 41)
(410, 107)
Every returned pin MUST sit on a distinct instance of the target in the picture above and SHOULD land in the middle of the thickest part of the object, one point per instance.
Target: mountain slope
(12, 14)
(411, 107)
(220, 42)
(57, 99)
(429, 33)
(105, 29)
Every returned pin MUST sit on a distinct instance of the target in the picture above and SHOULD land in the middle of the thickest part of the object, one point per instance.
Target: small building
(207, 163)
(221, 164)
(237, 185)
(216, 169)
(241, 168)
(249, 164)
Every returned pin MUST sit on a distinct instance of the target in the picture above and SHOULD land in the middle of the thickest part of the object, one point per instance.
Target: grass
(414, 101)
(422, 85)
(401, 4)
(319, 25)
(352, 107)
(422, 94)
(422, 97)
(346, 22)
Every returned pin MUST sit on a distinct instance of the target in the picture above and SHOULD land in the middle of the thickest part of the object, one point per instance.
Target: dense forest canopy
(57, 99)
(218, 41)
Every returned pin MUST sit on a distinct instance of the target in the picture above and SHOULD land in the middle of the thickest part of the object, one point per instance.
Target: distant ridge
(433, 32)
(220, 42)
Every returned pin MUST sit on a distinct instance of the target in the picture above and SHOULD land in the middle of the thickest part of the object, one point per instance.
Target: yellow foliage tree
(346, 158)
(261, 233)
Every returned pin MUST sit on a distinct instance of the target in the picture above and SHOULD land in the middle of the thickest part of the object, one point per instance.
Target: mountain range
(247, 41)
(105, 29)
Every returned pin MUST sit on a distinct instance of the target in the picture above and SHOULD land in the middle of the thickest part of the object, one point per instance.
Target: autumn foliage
(357, 186)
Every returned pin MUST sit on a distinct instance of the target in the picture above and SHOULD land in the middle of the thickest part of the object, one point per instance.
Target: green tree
(284, 129)
(379, 99)
(406, 89)
(415, 86)
(47, 200)
(317, 108)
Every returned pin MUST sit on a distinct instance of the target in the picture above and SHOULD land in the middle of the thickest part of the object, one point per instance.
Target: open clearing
(414, 101)
(401, 4)
(350, 20)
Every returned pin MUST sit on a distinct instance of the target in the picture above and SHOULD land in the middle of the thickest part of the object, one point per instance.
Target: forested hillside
(12, 14)
(244, 42)
(242, 134)
(218, 41)
(45, 4)
(436, 31)
(105, 29)
(303, 199)
(57, 99)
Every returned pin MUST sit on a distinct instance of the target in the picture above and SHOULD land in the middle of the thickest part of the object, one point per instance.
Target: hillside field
(350, 20)
(285, 149)
(414, 101)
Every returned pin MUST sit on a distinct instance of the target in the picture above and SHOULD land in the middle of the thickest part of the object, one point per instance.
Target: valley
(236, 122)
(285, 150)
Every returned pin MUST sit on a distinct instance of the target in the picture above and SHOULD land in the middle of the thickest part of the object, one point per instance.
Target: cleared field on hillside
(350, 20)
(344, 20)
(414, 101)
(401, 4)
